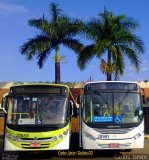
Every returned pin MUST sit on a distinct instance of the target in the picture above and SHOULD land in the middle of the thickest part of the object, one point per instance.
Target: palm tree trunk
(109, 73)
(109, 77)
(57, 67)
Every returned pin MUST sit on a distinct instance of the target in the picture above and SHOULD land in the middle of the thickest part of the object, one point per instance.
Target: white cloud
(8, 7)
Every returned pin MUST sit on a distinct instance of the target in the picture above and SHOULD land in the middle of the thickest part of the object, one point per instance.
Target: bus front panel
(112, 116)
(37, 120)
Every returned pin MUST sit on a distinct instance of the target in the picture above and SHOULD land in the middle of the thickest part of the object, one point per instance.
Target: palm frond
(42, 55)
(138, 44)
(75, 27)
(133, 56)
(41, 24)
(130, 40)
(101, 46)
(116, 76)
(119, 63)
(73, 44)
(85, 56)
(103, 66)
(68, 28)
(41, 58)
(129, 23)
(93, 29)
(34, 46)
(55, 12)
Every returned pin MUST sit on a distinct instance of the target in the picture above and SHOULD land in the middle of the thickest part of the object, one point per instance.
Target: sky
(15, 31)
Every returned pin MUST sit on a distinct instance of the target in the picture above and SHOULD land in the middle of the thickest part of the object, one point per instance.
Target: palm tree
(60, 30)
(112, 35)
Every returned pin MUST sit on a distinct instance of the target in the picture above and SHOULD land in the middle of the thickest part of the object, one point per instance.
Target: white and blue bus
(111, 116)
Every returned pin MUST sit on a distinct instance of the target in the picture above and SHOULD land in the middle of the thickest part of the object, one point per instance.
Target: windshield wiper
(99, 93)
(126, 94)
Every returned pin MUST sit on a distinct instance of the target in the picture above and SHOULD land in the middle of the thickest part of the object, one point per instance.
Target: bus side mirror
(1, 111)
(80, 99)
(71, 108)
(3, 105)
(144, 99)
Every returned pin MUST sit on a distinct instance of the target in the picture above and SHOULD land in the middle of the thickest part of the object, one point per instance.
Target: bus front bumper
(62, 145)
(117, 144)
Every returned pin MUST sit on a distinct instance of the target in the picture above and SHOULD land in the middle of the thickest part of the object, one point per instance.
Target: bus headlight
(13, 138)
(60, 136)
(65, 132)
(55, 138)
(89, 136)
(137, 136)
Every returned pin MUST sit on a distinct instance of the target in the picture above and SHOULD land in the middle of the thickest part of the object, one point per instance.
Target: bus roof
(112, 85)
(39, 88)
(111, 82)
(41, 84)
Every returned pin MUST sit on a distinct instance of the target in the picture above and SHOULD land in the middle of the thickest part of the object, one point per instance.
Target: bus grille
(113, 131)
(46, 138)
(34, 147)
(42, 146)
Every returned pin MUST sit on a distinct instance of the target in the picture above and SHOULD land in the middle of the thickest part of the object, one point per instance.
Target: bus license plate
(35, 144)
(114, 145)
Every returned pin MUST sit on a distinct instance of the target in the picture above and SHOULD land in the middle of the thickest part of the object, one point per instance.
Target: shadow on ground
(74, 152)
(58, 155)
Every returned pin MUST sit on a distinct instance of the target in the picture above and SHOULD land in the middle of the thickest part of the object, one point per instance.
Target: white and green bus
(111, 116)
(37, 117)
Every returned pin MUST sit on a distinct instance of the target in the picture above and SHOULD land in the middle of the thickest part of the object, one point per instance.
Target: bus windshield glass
(117, 108)
(37, 110)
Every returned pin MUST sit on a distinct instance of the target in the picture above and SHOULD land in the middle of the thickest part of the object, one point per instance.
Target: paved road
(137, 154)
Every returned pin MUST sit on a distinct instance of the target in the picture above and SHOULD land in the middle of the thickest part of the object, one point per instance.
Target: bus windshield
(37, 110)
(117, 108)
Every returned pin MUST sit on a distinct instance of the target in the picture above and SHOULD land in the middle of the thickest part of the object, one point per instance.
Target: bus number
(104, 136)
(19, 135)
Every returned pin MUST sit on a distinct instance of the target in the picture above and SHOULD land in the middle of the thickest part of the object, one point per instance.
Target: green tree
(112, 35)
(59, 30)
